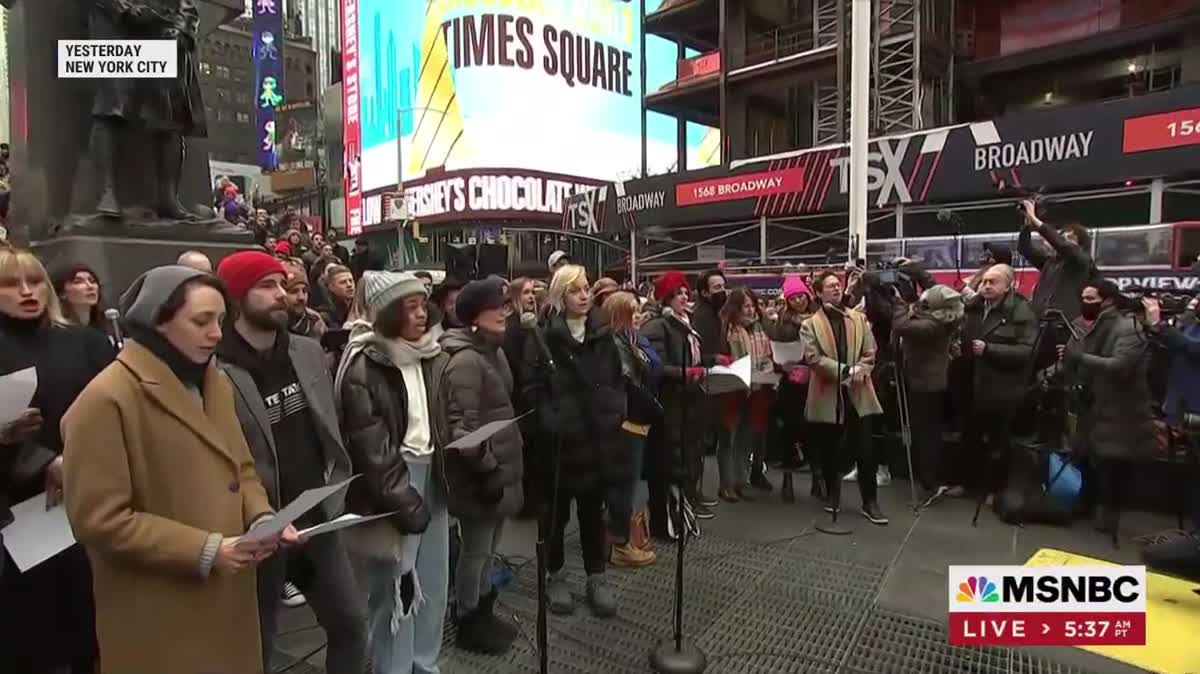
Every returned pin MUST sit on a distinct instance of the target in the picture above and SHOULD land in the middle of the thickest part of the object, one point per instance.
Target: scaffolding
(911, 69)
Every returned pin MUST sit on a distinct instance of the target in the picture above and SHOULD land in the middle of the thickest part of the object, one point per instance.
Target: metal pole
(762, 239)
(645, 157)
(633, 265)
(860, 75)
(1156, 201)
(399, 151)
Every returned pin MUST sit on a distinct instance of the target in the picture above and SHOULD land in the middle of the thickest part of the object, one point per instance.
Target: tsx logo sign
(1047, 605)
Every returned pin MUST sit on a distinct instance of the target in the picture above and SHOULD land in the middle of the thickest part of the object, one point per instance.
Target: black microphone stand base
(686, 659)
(832, 528)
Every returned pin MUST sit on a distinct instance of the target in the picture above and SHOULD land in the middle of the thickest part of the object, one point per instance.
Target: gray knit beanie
(140, 304)
(381, 288)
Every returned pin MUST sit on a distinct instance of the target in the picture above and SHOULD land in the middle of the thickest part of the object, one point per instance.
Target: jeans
(406, 598)
(736, 448)
(324, 574)
(622, 498)
(589, 510)
(473, 573)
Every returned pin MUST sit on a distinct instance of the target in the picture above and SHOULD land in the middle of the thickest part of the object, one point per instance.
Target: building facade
(227, 82)
(973, 105)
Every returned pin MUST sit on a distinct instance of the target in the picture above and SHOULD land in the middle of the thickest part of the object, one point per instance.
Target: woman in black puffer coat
(580, 404)
(484, 482)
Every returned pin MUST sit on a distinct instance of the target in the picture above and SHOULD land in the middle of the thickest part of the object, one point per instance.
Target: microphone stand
(546, 521)
(834, 480)
(679, 655)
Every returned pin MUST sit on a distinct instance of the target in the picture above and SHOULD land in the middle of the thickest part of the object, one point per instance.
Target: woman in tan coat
(159, 486)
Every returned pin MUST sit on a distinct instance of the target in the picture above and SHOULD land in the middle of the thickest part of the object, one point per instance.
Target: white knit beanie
(381, 288)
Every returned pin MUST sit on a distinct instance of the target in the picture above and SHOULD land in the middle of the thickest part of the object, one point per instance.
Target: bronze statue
(163, 111)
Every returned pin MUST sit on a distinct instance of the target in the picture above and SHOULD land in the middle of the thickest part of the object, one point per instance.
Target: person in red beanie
(285, 404)
(676, 454)
(283, 249)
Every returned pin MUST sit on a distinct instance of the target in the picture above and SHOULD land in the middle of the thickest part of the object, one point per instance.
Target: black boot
(487, 604)
(819, 490)
(481, 632)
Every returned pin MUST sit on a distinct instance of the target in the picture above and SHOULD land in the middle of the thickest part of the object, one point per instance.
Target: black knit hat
(479, 296)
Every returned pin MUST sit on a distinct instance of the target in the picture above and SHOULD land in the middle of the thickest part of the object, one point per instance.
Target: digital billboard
(268, 77)
(296, 135)
(546, 85)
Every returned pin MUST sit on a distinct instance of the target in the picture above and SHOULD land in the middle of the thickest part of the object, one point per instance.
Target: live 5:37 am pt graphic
(1047, 606)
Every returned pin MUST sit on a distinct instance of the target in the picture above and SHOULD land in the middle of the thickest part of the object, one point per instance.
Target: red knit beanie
(240, 271)
(668, 284)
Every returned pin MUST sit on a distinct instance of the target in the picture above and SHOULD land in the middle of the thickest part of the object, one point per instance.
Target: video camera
(888, 274)
(1173, 302)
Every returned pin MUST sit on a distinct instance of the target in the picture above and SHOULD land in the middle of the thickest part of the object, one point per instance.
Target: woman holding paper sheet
(47, 620)
(744, 415)
(160, 487)
(484, 481)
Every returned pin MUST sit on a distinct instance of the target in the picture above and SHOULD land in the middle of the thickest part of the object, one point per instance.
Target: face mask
(717, 299)
(1090, 310)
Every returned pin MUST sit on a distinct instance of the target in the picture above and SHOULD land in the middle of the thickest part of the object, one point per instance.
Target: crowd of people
(229, 391)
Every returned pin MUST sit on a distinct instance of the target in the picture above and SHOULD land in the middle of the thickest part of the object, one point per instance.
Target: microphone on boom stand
(679, 655)
(529, 322)
(834, 479)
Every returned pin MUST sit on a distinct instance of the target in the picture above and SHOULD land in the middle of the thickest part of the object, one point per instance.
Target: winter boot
(479, 633)
(487, 604)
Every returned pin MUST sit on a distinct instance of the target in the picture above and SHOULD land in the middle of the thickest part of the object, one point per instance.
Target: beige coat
(151, 471)
(820, 354)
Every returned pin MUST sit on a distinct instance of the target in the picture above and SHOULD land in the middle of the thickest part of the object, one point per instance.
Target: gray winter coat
(1110, 367)
(476, 389)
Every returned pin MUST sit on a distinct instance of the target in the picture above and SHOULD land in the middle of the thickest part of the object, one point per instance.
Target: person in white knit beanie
(386, 385)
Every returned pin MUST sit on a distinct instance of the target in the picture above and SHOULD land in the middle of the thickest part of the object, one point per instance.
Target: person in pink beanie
(793, 388)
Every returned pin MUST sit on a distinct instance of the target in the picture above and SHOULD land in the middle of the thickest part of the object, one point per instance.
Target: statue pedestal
(120, 258)
(52, 175)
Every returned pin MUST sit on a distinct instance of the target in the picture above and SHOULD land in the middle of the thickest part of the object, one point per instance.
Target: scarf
(399, 351)
(693, 338)
(751, 341)
(188, 371)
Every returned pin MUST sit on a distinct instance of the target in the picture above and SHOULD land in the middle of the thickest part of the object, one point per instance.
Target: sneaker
(852, 476)
(728, 496)
(702, 512)
(630, 557)
(934, 496)
(883, 476)
(601, 597)
(708, 501)
(292, 596)
(558, 594)
(874, 515)
(957, 491)
(480, 631)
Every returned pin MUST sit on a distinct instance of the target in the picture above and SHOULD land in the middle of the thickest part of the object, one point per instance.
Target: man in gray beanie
(387, 384)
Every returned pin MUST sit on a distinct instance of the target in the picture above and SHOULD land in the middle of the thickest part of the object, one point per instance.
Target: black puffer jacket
(476, 389)
(682, 403)
(373, 407)
(581, 402)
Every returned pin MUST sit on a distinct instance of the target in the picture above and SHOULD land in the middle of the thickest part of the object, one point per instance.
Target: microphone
(529, 322)
(114, 317)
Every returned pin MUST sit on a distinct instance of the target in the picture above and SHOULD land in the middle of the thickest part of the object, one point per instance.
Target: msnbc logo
(977, 588)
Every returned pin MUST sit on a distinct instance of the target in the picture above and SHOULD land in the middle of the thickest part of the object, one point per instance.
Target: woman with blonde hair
(47, 620)
(580, 403)
(641, 368)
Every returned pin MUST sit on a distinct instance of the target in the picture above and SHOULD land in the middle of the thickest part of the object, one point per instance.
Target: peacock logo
(977, 589)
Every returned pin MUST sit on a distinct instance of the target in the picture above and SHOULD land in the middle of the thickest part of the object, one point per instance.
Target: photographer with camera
(998, 336)
(1064, 262)
(1107, 366)
(925, 331)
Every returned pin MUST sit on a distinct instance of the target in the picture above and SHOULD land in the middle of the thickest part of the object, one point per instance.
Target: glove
(694, 374)
(723, 359)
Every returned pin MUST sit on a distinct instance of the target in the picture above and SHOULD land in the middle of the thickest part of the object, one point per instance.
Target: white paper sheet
(482, 434)
(725, 379)
(294, 510)
(16, 391)
(37, 534)
(344, 522)
(787, 353)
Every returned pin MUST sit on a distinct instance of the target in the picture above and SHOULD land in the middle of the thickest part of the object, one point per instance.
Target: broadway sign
(1069, 148)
